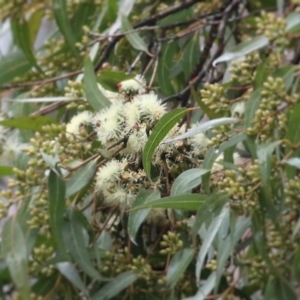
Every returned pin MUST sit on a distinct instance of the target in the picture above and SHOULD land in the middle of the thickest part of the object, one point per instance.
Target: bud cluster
(214, 96)
(171, 243)
(274, 28)
(243, 71)
(269, 116)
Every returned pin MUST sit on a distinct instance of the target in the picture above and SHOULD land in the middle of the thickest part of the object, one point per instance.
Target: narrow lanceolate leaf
(202, 128)
(186, 181)
(178, 264)
(165, 124)
(264, 154)
(45, 99)
(76, 244)
(243, 48)
(208, 239)
(164, 67)
(183, 202)
(21, 35)
(94, 96)
(191, 55)
(31, 123)
(63, 23)
(116, 286)
(278, 289)
(251, 106)
(69, 271)
(293, 22)
(14, 252)
(51, 161)
(205, 288)
(57, 192)
(295, 162)
(80, 178)
(12, 65)
(6, 171)
(133, 38)
(136, 218)
(293, 136)
(22, 217)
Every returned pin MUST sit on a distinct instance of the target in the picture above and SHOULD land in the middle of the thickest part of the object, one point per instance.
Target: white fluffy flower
(137, 85)
(109, 123)
(111, 96)
(117, 195)
(150, 107)
(132, 114)
(109, 175)
(136, 142)
(83, 118)
(199, 144)
(9, 147)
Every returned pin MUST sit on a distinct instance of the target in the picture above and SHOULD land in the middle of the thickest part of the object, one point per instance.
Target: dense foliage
(150, 150)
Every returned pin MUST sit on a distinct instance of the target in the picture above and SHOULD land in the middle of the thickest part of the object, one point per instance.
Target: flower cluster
(122, 128)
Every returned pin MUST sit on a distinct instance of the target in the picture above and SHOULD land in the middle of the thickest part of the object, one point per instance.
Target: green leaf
(264, 154)
(165, 64)
(251, 106)
(191, 55)
(205, 288)
(295, 162)
(22, 217)
(83, 15)
(212, 231)
(293, 22)
(293, 136)
(136, 218)
(69, 271)
(12, 65)
(227, 242)
(202, 128)
(186, 181)
(6, 171)
(109, 79)
(31, 123)
(34, 24)
(261, 74)
(44, 285)
(94, 96)
(183, 202)
(57, 192)
(161, 129)
(75, 244)
(287, 73)
(133, 38)
(51, 161)
(15, 255)
(277, 289)
(209, 210)
(63, 23)
(116, 286)
(242, 49)
(80, 178)
(178, 264)
(21, 33)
